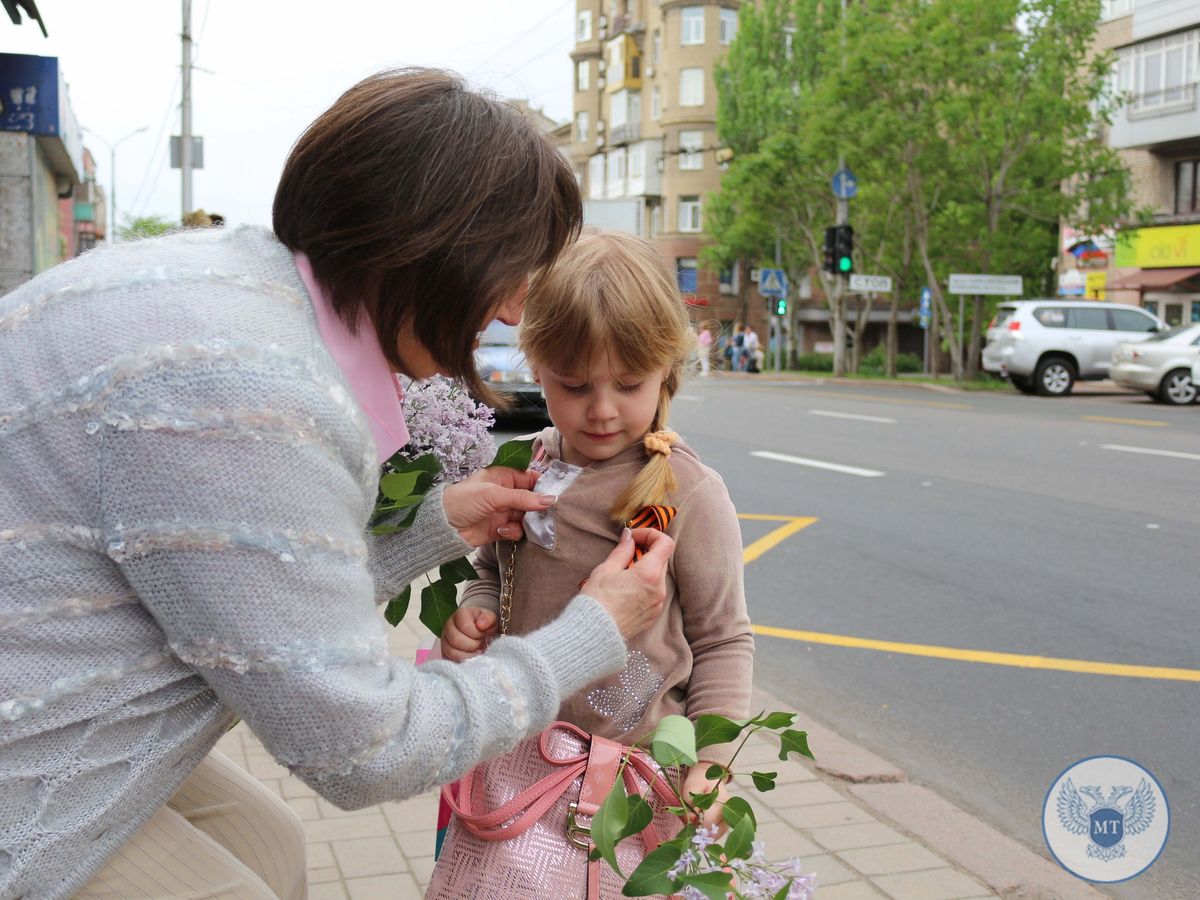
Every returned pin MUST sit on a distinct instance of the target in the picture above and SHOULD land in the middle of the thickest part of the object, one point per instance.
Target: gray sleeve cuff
(396, 559)
(581, 645)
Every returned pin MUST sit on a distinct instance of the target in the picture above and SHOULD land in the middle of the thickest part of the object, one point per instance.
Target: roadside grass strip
(817, 464)
(1148, 451)
(794, 524)
(1115, 420)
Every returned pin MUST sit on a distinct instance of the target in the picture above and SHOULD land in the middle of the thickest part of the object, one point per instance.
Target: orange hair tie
(660, 442)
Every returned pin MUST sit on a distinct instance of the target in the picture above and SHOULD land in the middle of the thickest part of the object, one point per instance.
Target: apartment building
(644, 127)
(1157, 132)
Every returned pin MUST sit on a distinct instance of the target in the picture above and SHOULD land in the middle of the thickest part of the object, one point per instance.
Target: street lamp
(111, 236)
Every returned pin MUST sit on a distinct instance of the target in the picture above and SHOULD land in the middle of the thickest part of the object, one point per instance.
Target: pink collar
(374, 385)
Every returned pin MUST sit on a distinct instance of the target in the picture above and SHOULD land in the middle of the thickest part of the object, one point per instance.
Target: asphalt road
(997, 522)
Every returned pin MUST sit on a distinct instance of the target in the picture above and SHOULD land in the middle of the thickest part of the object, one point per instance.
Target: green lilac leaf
(704, 801)
(674, 742)
(513, 455)
(397, 607)
(740, 840)
(714, 772)
(764, 781)
(794, 742)
(639, 815)
(438, 603)
(712, 729)
(458, 570)
(714, 885)
(650, 877)
(397, 485)
(736, 809)
(774, 720)
(608, 823)
(783, 892)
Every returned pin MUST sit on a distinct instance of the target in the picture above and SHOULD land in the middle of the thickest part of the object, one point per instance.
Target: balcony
(1155, 118)
(626, 134)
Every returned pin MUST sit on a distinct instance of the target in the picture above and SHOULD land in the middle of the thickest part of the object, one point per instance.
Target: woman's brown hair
(613, 292)
(425, 202)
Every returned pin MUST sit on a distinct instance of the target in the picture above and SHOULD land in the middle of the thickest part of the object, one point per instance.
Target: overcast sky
(273, 66)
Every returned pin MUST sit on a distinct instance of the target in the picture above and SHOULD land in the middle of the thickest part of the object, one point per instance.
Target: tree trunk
(893, 332)
(973, 346)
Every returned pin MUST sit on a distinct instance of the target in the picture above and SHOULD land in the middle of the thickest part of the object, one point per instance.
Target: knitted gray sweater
(185, 481)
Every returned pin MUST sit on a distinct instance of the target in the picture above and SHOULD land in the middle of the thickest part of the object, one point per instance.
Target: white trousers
(222, 835)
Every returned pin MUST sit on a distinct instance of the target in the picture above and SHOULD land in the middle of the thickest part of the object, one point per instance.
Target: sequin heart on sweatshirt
(626, 703)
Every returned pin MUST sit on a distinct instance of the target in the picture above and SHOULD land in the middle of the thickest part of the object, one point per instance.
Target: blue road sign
(845, 185)
(923, 312)
(772, 282)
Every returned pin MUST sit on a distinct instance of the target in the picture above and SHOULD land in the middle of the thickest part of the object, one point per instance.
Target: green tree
(144, 226)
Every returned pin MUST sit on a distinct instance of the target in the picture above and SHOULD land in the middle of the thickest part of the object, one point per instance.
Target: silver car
(1045, 346)
(503, 366)
(1161, 366)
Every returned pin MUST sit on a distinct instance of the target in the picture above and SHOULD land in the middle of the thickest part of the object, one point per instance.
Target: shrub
(815, 362)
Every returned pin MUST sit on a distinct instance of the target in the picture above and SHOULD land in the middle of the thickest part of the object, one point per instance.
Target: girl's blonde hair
(613, 292)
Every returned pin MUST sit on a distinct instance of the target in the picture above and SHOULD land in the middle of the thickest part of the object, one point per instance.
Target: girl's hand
(696, 783)
(466, 632)
(490, 505)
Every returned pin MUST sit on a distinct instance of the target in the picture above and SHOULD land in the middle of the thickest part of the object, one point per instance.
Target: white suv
(1045, 346)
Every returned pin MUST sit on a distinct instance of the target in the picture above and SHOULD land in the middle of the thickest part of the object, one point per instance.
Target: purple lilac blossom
(443, 419)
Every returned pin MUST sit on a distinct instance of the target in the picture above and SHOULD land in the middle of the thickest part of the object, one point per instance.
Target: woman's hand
(490, 504)
(697, 783)
(633, 595)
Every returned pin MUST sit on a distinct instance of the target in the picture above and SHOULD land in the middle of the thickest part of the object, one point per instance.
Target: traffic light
(844, 249)
(781, 306)
(830, 261)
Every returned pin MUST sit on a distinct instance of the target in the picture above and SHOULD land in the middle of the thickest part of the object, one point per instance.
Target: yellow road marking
(988, 657)
(1017, 660)
(1147, 423)
(776, 537)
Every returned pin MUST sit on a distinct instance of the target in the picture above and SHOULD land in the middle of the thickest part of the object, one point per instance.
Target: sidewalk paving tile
(826, 815)
(850, 837)
(849, 890)
(828, 870)
(892, 859)
(369, 856)
(392, 887)
(805, 793)
(936, 884)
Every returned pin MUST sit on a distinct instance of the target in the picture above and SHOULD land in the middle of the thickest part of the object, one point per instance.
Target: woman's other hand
(633, 595)
(490, 504)
(466, 632)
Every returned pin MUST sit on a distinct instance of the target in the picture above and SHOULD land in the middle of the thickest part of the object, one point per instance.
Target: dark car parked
(503, 366)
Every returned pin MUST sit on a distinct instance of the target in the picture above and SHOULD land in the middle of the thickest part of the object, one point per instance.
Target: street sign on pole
(871, 284)
(845, 185)
(991, 285)
(772, 282)
(923, 312)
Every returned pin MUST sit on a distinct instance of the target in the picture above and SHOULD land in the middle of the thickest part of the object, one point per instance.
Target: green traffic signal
(781, 307)
(845, 264)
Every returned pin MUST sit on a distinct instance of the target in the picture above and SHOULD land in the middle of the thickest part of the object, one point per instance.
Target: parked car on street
(1045, 346)
(503, 366)
(1161, 365)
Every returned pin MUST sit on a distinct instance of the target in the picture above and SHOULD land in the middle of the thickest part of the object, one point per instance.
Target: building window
(729, 22)
(637, 161)
(618, 109)
(581, 126)
(728, 282)
(1160, 74)
(693, 26)
(616, 60)
(655, 220)
(690, 155)
(1185, 186)
(689, 214)
(656, 47)
(1110, 9)
(687, 271)
(655, 103)
(583, 26)
(583, 75)
(616, 173)
(691, 87)
(596, 176)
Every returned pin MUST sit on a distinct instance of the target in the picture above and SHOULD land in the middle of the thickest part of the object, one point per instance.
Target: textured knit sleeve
(484, 592)
(234, 500)
(708, 577)
(396, 559)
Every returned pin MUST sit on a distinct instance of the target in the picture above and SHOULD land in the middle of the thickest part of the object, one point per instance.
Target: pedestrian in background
(192, 430)
(704, 348)
(752, 352)
(739, 349)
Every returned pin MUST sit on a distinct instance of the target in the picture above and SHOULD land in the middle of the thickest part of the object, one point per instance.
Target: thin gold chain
(506, 590)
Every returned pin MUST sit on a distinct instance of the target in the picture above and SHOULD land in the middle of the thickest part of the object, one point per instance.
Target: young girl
(607, 336)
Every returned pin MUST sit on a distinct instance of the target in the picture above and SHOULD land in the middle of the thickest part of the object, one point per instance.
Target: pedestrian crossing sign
(772, 282)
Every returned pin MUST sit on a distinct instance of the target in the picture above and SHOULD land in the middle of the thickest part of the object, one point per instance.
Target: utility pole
(776, 320)
(111, 230)
(185, 127)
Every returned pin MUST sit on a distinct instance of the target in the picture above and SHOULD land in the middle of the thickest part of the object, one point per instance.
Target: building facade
(644, 134)
(1156, 129)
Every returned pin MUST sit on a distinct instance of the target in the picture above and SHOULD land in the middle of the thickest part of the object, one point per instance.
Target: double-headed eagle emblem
(1106, 821)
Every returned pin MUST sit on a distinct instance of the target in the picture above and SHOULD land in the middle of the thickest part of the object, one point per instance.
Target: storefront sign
(1094, 285)
(1157, 248)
